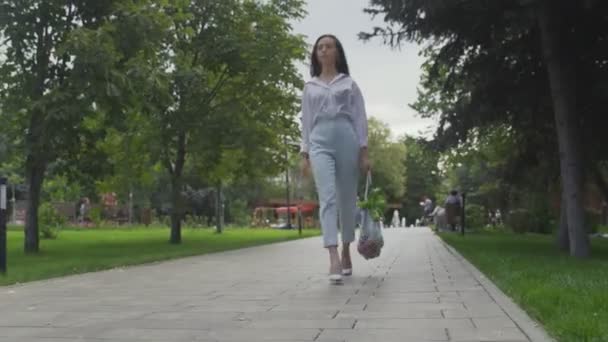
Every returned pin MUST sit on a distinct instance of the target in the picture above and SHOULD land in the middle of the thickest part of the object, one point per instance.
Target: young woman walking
(334, 146)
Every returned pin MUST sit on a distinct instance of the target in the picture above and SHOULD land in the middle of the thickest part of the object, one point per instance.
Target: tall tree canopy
(147, 82)
(221, 93)
(388, 159)
(66, 62)
(537, 66)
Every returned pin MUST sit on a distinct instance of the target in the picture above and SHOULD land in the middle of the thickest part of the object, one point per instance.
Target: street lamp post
(287, 182)
(299, 198)
(463, 214)
(2, 225)
(130, 207)
(14, 206)
(287, 198)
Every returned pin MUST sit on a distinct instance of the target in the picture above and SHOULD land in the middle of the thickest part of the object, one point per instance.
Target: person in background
(396, 221)
(427, 209)
(453, 205)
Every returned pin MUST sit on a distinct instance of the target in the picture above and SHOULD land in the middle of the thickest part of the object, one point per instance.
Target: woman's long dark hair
(341, 64)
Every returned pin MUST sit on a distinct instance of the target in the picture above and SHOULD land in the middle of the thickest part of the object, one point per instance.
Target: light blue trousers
(334, 158)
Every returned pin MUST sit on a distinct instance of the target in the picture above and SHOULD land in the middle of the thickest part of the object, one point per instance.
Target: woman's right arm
(306, 122)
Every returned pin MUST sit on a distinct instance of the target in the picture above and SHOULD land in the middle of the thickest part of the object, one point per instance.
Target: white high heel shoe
(335, 275)
(335, 279)
(347, 271)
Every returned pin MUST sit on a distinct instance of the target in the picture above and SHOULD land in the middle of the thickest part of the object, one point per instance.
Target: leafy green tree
(133, 169)
(388, 160)
(221, 91)
(422, 177)
(66, 61)
(513, 62)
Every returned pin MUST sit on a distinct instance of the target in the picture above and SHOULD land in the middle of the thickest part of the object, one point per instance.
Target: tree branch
(62, 69)
(217, 87)
(166, 160)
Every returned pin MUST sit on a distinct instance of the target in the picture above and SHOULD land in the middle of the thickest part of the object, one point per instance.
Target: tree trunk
(563, 239)
(36, 144)
(35, 170)
(563, 91)
(219, 212)
(176, 220)
(176, 189)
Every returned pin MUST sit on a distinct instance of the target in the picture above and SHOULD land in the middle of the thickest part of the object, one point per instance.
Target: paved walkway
(418, 290)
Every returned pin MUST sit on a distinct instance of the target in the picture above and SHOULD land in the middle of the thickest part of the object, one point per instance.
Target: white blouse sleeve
(360, 115)
(306, 122)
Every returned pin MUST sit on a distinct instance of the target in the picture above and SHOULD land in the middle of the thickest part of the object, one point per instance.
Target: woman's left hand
(364, 160)
(305, 165)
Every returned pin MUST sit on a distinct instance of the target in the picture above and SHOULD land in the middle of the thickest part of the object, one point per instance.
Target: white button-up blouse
(340, 96)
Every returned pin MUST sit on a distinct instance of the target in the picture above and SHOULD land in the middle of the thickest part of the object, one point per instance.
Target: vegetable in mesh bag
(370, 239)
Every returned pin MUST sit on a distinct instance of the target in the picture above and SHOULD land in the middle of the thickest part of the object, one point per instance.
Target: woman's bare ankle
(346, 260)
(335, 264)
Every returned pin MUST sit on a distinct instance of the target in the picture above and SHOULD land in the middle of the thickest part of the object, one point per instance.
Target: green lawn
(569, 296)
(79, 251)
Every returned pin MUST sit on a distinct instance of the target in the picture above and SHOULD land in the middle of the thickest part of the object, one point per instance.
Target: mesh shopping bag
(370, 238)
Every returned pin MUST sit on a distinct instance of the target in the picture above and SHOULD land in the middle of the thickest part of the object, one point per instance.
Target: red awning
(294, 209)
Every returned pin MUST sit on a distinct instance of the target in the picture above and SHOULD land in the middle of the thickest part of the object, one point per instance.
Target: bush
(49, 233)
(592, 221)
(192, 221)
(165, 220)
(501, 227)
(95, 214)
(538, 220)
(475, 216)
(542, 221)
(519, 220)
(239, 213)
(50, 221)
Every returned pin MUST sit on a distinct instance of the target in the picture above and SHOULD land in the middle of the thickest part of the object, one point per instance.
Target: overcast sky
(387, 77)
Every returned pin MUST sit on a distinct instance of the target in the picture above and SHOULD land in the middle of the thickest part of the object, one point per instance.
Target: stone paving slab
(418, 290)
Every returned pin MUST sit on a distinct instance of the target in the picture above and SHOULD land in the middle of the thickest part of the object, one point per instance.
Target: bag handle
(368, 183)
